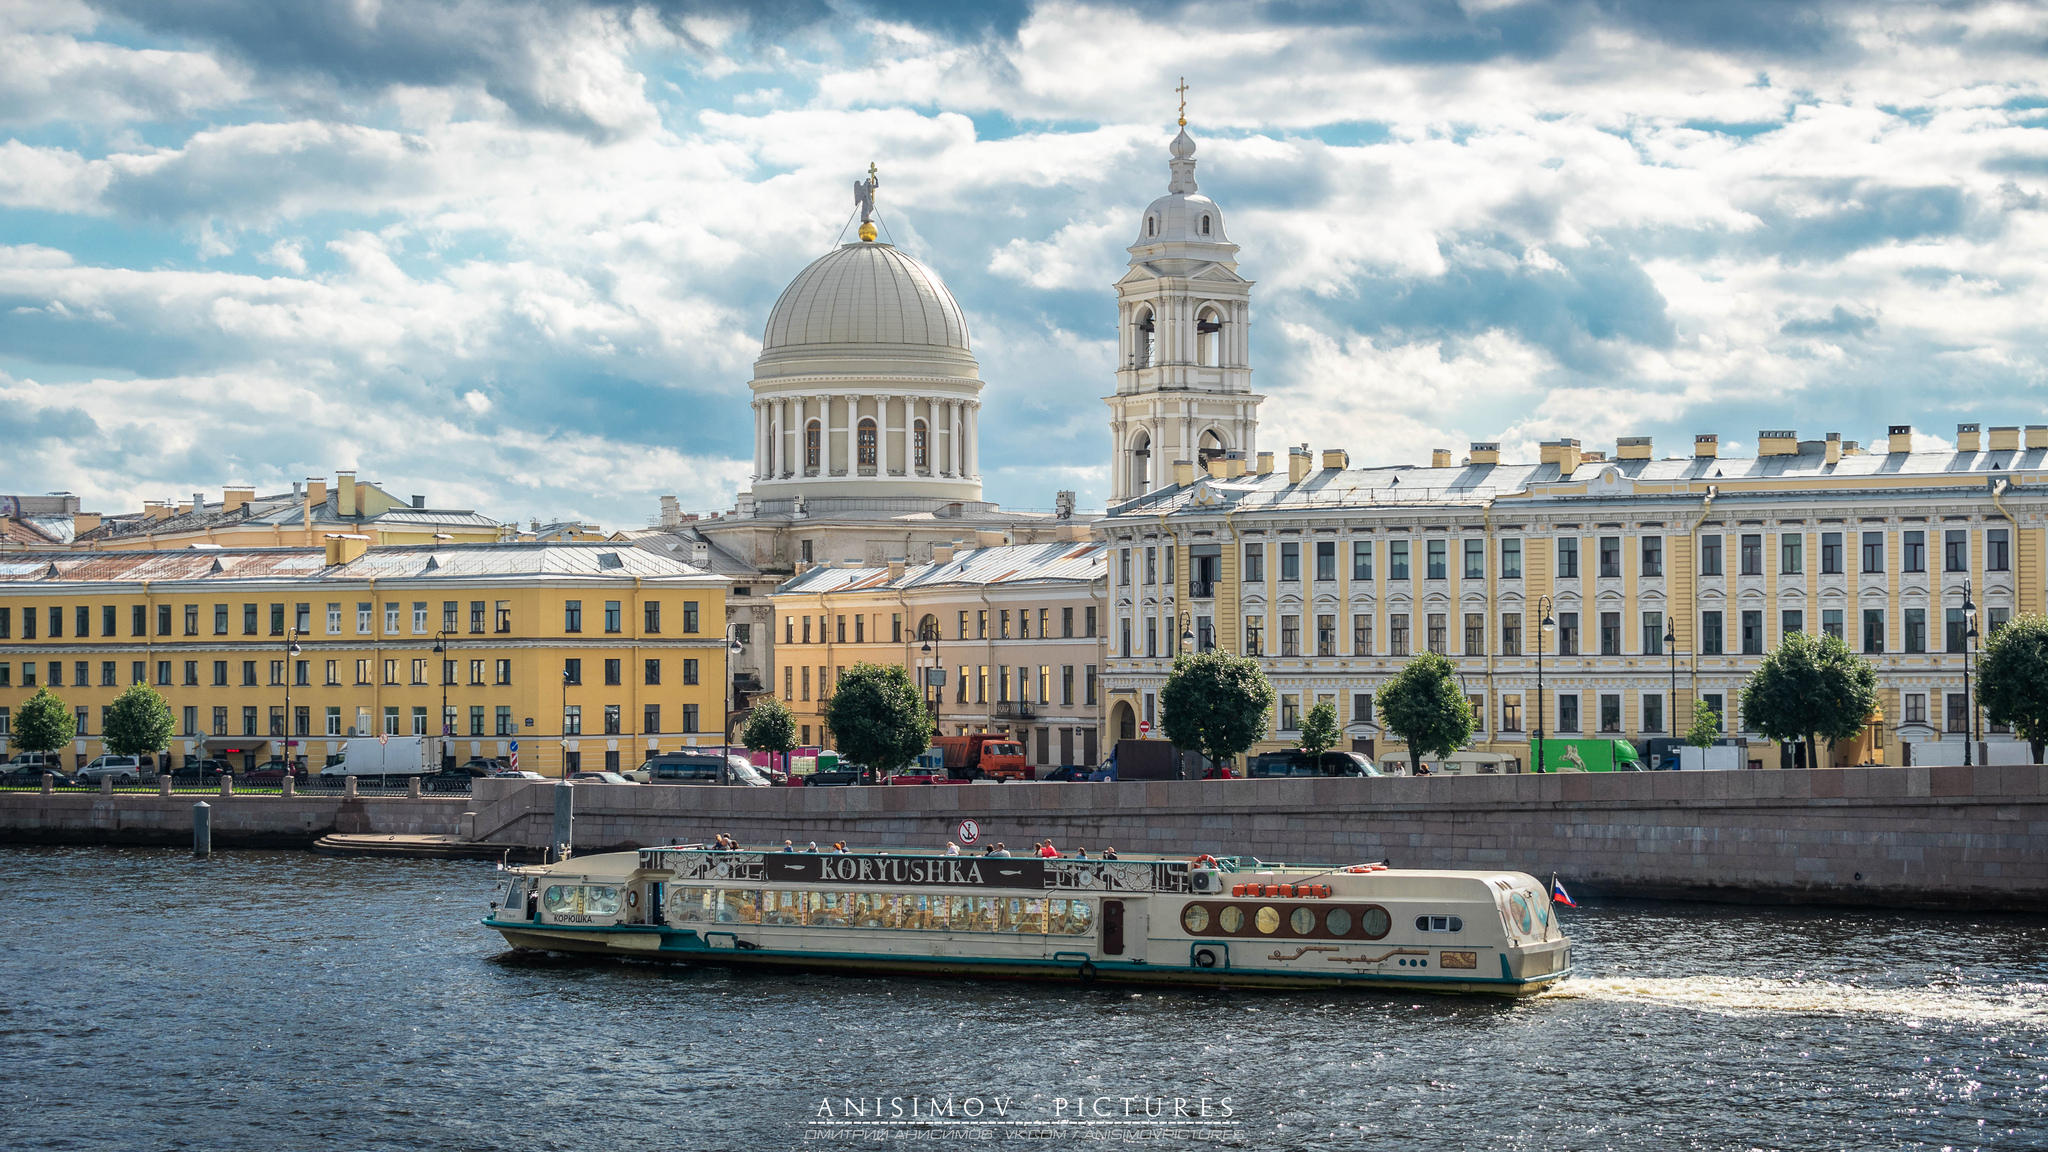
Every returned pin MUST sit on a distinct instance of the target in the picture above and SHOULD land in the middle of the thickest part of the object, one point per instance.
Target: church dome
(866, 294)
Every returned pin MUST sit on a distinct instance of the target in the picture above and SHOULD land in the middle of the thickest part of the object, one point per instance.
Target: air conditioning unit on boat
(1206, 879)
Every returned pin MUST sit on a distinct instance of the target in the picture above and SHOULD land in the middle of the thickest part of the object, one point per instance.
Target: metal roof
(417, 561)
(1056, 562)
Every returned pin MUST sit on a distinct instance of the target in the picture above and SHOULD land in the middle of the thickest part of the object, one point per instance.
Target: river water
(273, 1000)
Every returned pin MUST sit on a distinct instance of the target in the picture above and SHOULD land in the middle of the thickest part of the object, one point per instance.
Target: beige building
(1667, 579)
(1015, 632)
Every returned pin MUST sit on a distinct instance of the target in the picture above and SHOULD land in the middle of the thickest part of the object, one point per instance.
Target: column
(799, 459)
(974, 438)
(953, 438)
(852, 420)
(760, 439)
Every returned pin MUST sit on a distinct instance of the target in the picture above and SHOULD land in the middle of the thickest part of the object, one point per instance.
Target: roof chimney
(1298, 465)
(1265, 463)
(1485, 452)
(1969, 438)
(671, 512)
(700, 553)
(896, 567)
(1439, 457)
(1901, 438)
(1706, 446)
(1834, 448)
(1336, 458)
(2037, 435)
(419, 501)
(1632, 448)
(236, 497)
(316, 491)
(2005, 438)
(942, 553)
(1218, 467)
(1183, 472)
(342, 547)
(83, 522)
(1563, 453)
(345, 493)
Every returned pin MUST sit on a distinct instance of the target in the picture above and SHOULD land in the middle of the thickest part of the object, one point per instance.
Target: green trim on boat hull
(686, 944)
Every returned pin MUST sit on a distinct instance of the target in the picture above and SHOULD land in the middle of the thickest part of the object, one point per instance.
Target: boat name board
(919, 871)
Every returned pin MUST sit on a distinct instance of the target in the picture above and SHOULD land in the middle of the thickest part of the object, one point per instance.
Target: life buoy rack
(1206, 861)
(1356, 868)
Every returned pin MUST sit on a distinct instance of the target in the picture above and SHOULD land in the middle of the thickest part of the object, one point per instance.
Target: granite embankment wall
(1944, 837)
(246, 821)
(1939, 837)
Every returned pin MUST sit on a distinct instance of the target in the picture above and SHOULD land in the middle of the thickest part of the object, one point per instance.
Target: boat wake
(2023, 1005)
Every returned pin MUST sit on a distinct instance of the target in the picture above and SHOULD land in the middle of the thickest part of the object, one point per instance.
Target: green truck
(1586, 756)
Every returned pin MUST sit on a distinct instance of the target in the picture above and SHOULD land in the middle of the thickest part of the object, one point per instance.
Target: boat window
(1521, 911)
(1231, 919)
(691, 905)
(1338, 921)
(581, 899)
(1195, 918)
(1028, 915)
(739, 906)
(871, 910)
(828, 910)
(782, 908)
(1374, 923)
(1268, 919)
(1443, 923)
(1303, 921)
(1069, 918)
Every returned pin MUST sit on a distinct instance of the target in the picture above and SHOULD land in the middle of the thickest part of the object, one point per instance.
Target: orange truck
(984, 755)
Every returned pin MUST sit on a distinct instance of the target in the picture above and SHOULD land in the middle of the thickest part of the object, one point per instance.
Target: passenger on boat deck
(952, 849)
(1081, 854)
(1048, 852)
(1000, 850)
(788, 847)
(813, 847)
(1109, 853)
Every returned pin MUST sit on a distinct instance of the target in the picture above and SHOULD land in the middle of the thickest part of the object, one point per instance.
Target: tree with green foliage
(1426, 707)
(139, 723)
(43, 723)
(1215, 703)
(2012, 679)
(1811, 688)
(1706, 726)
(770, 727)
(878, 717)
(1319, 729)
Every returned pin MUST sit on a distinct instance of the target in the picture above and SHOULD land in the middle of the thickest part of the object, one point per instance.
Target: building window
(1710, 633)
(611, 720)
(1567, 633)
(1958, 712)
(1290, 563)
(572, 616)
(1511, 559)
(813, 439)
(1916, 629)
(1873, 629)
(1955, 550)
(1715, 705)
(865, 439)
(1610, 713)
(1397, 634)
(1437, 563)
(1831, 553)
(572, 671)
(612, 621)
(419, 720)
(611, 672)
(1361, 559)
(1511, 712)
(650, 718)
(390, 621)
(1752, 558)
(504, 672)
(1653, 633)
(650, 617)
(1610, 557)
(1326, 559)
(1791, 620)
(1791, 553)
(1567, 557)
(1475, 559)
(1710, 555)
(919, 446)
(1955, 626)
(1326, 635)
(419, 617)
(1913, 552)
(572, 720)
(1831, 622)
(1610, 633)
(1475, 634)
(1752, 633)
(1916, 708)
(1568, 712)
(1653, 555)
(689, 616)
(1511, 633)
(1290, 635)
(1254, 627)
(1439, 624)
(1873, 551)
(1997, 550)
(1361, 634)
(1290, 712)
(191, 620)
(1653, 712)
(1996, 618)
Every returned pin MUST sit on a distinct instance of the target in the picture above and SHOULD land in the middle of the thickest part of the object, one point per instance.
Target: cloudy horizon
(518, 256)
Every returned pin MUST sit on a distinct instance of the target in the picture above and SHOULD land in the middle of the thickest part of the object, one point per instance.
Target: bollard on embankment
(202, 830)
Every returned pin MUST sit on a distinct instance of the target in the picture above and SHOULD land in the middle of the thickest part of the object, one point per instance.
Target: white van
(380, 756)
(124, 770)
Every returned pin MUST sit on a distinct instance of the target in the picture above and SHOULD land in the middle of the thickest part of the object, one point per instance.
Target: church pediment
(1218, 272)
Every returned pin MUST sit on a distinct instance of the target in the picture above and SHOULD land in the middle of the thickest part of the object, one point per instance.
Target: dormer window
(1205, 225)
(1151, 225)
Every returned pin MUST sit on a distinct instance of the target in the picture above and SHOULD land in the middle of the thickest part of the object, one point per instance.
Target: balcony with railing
(1202, 589)
(1014, 710)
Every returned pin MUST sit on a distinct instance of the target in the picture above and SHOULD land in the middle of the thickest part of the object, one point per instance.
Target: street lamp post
(291, 654)
(732, 649)
(441, 650)
(1671, 647)
(1969, 706)
(565, 724)
(1544, 623)
(1187, 632)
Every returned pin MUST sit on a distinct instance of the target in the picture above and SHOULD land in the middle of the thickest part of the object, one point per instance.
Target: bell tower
(1183, 381)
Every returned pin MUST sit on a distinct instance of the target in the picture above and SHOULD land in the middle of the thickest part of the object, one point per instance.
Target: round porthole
(1338, 921)
(1302, 921)
(1231, 919)
(632, 899)
(1195, 918)
(1374, 922)
(1268, 919)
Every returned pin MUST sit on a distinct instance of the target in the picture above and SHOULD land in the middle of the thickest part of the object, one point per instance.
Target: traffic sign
(969, 831)
(1144, 727)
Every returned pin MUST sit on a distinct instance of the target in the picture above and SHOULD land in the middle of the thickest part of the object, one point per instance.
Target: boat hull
(725, 949)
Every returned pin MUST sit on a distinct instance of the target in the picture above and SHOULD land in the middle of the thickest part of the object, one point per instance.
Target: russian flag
(1559, 896)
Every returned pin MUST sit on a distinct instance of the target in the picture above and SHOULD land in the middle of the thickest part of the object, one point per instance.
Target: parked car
(32, 774)
(1070, 773)
(517, 774)
(485, 765)
(40, 761)
(1295, 762)
(599, 778)
(273, 772)
(202, 770)
(920, 774)
(122, 770)
(842, 776)
(450, 780)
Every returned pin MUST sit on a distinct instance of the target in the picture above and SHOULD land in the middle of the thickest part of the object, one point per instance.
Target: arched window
(1141, 340)
(1208, 338)
(866, 441)
(928, 628)
(1205, 225)
(1141, 465)
(920, 446)
(1151, 225)
(1212, 448)
(814, 440)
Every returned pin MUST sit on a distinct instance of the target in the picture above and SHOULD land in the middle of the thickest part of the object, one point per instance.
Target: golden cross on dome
(1183, 90)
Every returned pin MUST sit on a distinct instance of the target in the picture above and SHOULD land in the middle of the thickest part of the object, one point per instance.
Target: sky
(517, 257)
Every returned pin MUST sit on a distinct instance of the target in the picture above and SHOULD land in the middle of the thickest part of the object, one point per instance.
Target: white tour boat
(1138, 919)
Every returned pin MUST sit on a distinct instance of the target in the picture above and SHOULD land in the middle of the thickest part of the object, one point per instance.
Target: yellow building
(243, 519)
(587, 655)
(1668, 580)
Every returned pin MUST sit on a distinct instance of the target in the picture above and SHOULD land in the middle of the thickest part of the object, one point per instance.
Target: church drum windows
(920, 446)
(814, 442)
(867, 442)
(1208, 336)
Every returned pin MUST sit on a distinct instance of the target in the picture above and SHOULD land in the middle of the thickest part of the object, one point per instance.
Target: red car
(272, 772)
(920, 775)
